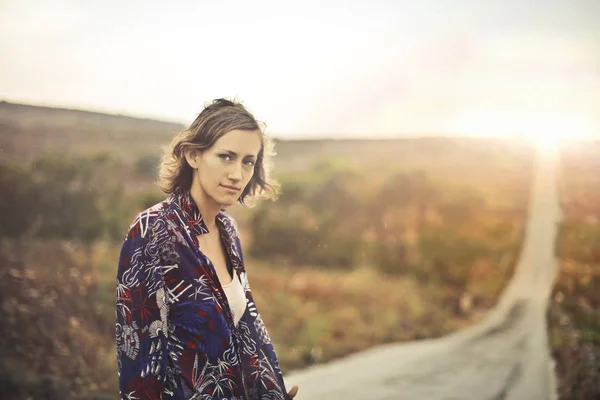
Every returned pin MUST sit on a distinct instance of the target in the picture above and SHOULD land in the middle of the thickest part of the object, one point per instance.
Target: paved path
(506, 356)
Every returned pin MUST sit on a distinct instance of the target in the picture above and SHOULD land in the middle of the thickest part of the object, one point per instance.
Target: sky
(315, 68)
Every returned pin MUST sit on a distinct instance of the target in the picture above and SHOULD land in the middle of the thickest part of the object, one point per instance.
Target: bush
(403, 225)
(147, 165)
(580, 241)
(63, 197)
(149, 198)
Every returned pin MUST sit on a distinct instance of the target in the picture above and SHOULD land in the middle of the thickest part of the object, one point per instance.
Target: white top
(236, 297)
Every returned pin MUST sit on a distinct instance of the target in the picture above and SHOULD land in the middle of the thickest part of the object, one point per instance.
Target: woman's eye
(225, 157)
(249, 163)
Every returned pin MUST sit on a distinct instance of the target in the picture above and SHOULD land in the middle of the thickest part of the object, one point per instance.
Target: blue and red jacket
(175, 334)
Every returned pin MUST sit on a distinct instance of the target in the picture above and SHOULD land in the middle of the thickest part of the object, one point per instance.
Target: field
(401, 239)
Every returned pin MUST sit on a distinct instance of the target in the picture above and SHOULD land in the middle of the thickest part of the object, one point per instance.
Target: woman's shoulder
(145, 219)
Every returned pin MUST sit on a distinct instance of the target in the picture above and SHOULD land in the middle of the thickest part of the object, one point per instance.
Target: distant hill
(27, 130)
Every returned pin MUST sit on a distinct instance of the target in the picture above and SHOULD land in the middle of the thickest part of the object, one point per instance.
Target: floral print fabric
(175, 334)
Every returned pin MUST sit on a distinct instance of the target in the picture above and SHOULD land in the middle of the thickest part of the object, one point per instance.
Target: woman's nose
(235, 173)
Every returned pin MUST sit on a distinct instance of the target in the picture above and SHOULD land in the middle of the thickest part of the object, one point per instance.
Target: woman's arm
(140, 328)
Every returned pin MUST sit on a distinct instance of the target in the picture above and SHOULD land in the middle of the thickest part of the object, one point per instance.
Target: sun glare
(544, 130)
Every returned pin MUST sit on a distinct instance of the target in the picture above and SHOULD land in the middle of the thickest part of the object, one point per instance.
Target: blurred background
(405, 136)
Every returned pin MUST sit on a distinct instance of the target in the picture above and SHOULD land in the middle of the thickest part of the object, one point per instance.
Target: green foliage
(574, 319)
(580, 241)
(394, 258)
(149, 198)
(307, 224)
(63, 197)
(147, 165)
(18, 202)
(404, 223)
(449, 257)
(462, 208)
(406, 188)
(67, 200)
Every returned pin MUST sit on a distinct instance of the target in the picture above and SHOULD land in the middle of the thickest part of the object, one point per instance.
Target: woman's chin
(227, 202)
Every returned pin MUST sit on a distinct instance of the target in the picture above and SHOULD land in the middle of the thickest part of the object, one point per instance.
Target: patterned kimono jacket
(175, 334)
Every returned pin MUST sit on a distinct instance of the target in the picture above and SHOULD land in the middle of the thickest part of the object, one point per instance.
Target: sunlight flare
(545, 130)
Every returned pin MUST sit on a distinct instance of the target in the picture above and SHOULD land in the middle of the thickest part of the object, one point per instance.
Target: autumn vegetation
(370, 242)
(574, 314)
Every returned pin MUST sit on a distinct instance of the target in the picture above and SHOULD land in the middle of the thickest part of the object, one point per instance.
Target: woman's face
(222, 171)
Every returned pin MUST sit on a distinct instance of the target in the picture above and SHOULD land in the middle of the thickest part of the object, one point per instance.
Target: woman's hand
(293, 391)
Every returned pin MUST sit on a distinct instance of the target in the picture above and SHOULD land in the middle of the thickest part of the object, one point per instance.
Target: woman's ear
(191, 156)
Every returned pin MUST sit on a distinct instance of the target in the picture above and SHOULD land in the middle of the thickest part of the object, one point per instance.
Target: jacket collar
(188, 207)
(190, 210)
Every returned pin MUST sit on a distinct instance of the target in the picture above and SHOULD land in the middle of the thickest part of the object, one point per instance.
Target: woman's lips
(231, 189)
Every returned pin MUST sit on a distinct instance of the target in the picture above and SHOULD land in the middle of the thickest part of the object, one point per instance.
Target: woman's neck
(209, 209)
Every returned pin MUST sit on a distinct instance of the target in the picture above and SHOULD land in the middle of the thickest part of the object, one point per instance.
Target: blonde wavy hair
(218, 118)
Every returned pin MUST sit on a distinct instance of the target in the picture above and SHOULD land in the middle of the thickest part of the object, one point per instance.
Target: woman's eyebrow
(234, 154)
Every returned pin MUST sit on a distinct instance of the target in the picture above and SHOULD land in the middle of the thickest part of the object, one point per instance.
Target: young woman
(187, 325)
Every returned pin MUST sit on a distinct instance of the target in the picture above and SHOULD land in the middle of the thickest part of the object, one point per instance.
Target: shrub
(147, 165)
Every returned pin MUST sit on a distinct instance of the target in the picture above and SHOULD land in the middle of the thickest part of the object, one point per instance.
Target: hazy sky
(314, 67)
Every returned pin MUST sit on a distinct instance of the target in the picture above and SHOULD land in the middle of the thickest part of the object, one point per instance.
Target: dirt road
(505, 356)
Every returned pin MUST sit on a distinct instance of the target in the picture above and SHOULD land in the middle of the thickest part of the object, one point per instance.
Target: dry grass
(574, 316)
(315, 315)
(60, 316)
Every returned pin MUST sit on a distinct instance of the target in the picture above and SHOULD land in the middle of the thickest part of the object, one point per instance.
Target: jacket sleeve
(141, 320)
